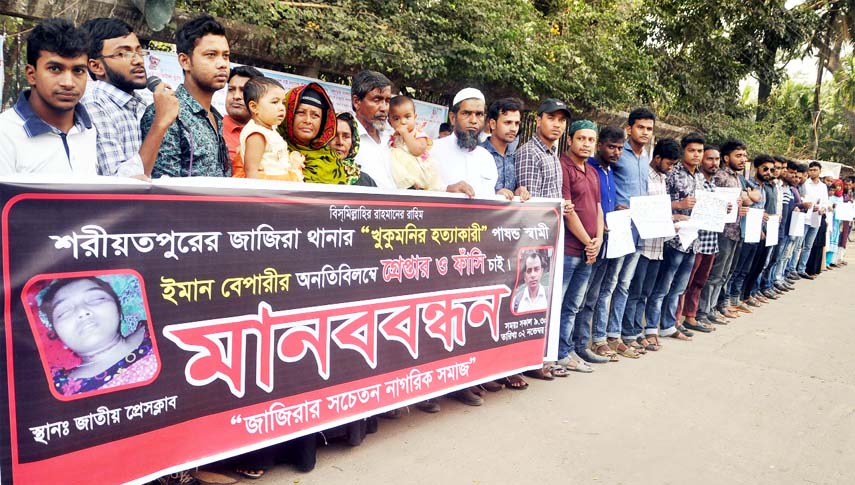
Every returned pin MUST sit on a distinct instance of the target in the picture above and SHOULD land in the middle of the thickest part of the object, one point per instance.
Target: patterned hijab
(323, 165)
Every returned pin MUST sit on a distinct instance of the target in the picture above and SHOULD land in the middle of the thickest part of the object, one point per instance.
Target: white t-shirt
(374, 158)
(476, 167)
(28, 145)
(526, 304)
(816, 193)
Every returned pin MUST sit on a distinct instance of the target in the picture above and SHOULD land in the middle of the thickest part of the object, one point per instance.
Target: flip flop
(509, 382)
(543, 374)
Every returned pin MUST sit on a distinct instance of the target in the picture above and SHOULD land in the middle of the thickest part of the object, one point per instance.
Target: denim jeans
(621, 293)
(595, 312)
(646, 271)
(794, 250)
(767, 277)
(740, 271)
(810, 237)
(670, 285)
(781, 263)
(727, 249)
(574, 285)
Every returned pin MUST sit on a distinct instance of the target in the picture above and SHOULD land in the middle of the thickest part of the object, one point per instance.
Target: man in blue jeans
(631, 176)
(605, 346)
(679, 258)
(816, 198)
(763, 166)
(665, 155)
(583, 235)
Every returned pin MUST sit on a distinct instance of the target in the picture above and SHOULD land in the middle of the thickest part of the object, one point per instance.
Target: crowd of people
(83, 116)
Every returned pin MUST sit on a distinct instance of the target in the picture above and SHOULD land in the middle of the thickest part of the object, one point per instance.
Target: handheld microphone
(152, 83)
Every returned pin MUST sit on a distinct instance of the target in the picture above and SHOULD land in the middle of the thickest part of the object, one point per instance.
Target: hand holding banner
(620, 241)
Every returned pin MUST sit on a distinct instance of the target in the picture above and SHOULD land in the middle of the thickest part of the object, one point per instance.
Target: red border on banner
(48, 470)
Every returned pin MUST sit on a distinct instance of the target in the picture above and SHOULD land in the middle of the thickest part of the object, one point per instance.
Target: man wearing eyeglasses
(117, 63)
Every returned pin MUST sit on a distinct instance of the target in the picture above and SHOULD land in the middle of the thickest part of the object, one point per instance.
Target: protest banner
(619, 242)
(241, 314)
(709, 212)
(651, 215)
(797, 225)
(772, 227)
(845, 211)
(753, 225)
(730, 195)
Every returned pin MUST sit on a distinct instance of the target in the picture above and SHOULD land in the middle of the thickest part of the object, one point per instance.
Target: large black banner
(183, 324)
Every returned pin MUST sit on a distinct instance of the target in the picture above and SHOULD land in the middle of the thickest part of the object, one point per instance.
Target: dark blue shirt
(608, 191)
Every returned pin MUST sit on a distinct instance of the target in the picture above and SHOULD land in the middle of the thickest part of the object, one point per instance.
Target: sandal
(652, 342)
(680, 336)
(639, 349)
(558, 371)
(603, 350)
(515, 382)
(492, 386)
(622, 349)
(254, 474)
(543, 373)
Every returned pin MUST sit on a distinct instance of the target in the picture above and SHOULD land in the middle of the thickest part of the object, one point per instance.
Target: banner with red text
(152, 327)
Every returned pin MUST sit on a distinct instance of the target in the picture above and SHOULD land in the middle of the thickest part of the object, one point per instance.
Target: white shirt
(816, 193)
(375, 158)
(476, 167)
(28, 145)
(526, 304)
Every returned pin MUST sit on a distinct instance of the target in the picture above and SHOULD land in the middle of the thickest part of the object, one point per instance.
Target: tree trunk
(763, 92)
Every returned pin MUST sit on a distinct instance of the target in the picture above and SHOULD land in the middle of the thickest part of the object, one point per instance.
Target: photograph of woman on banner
(309, 128)
(102, 325)
(532, 294)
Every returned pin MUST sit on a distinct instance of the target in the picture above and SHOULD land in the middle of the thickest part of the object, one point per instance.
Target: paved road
(769, 399)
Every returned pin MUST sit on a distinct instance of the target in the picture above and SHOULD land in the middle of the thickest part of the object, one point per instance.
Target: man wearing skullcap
(583, 238)
(463, 165)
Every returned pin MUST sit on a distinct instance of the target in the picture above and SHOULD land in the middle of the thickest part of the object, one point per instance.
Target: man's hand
(686, 203)
(567, 206)
(765, 217)
(461, 188)
(679, 217)
(505, 193)
(621, 207)
(523, 193)
(593, 248)
(743, 211)
(165, 105)
(808, 205)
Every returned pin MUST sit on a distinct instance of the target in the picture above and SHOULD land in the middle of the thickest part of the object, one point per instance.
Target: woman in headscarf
(346, 144)
(309, 128)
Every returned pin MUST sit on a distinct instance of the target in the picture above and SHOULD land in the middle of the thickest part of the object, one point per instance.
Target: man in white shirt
(816, 197)
(463, 165)
(47, 131)
(531, 295)
(370, 95)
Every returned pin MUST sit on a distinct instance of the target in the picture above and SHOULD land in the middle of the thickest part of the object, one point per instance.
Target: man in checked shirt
(117, 63)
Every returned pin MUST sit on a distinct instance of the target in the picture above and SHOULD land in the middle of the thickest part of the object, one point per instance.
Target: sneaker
(589, 356)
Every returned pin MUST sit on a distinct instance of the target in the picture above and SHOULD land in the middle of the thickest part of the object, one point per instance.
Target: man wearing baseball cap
(463, 165)
(538, 168)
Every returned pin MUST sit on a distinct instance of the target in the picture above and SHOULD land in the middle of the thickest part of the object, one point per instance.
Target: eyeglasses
(127, 55)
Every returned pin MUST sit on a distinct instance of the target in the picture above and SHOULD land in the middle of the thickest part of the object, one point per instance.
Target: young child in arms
(412, 167)
(264, 152)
